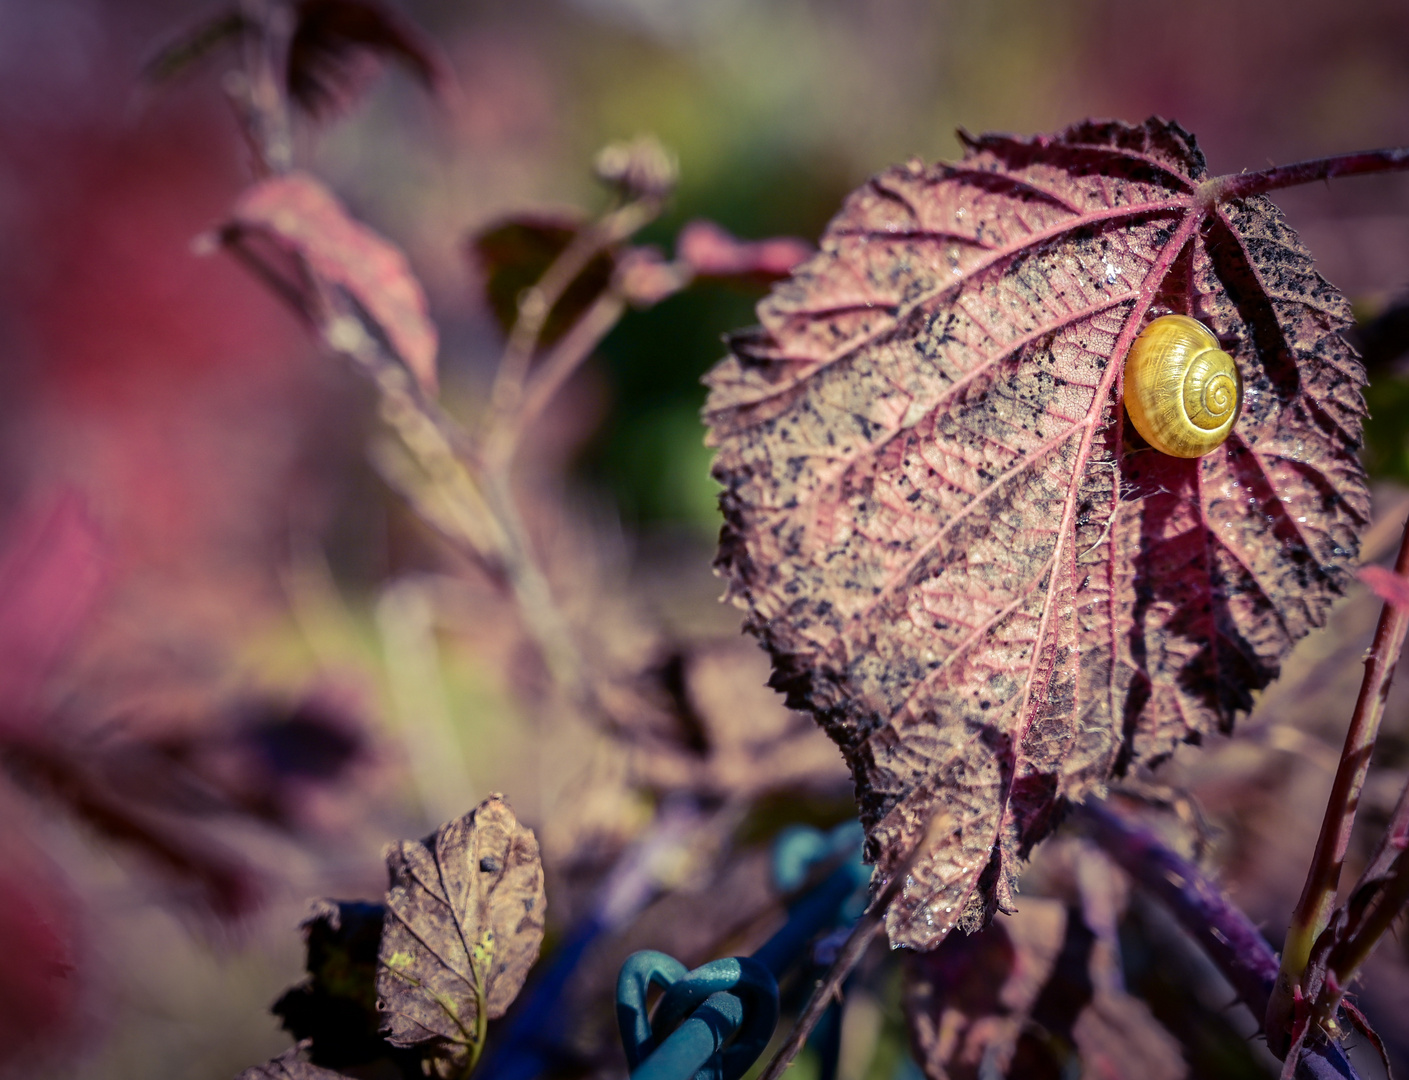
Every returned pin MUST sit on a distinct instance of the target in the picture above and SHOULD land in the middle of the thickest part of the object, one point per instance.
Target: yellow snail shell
(1182, 391)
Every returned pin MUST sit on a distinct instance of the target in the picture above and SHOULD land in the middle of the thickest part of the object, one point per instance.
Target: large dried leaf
(463, 926)
(297, 213)
(964, 560)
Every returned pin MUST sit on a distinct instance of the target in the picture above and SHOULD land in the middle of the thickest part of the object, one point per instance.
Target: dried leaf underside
(963, 559)
(463, 925)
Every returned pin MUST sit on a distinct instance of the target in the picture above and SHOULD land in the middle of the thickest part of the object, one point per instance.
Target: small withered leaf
(463, 926)
(965, 562)
(512, 254)
(289, 1066)
(298, 213)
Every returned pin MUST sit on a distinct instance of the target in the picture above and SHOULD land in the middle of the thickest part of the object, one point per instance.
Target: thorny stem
(1352, 951)
(1225, 933)
(1376, 901)
(857, 942)
(1240, 186)
(1318, 897)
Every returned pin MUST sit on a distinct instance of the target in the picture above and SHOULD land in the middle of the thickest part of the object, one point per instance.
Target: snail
(1182, 391)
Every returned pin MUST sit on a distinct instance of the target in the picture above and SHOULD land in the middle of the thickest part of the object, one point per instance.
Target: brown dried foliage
(464, 924)
(288, 1066)
(992, 594)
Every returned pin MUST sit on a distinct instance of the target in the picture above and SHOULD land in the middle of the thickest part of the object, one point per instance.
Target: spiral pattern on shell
(1183, 392)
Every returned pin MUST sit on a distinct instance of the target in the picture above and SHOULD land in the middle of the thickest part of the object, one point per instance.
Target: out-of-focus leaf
(299, 214)
(196, 44)
(728, 735)
(968, 1001)
(275, 761)
(713, 252)
(964, 561)
(289, 1066)
(39, 983)
(53, 567)
(463, 926)
(1039, 994)
(511, 255)
(209, 876)
(336, 48)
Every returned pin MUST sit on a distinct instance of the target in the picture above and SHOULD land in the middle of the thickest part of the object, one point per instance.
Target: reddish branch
(1318, 897)
(1240, 186)
(1379, 897)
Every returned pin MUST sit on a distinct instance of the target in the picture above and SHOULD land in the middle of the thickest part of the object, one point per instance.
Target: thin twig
(1318, 897)
(1240, 186)
(567, 356)
(1389, 850)
(535, 602)
(538, 301)
(858, 941)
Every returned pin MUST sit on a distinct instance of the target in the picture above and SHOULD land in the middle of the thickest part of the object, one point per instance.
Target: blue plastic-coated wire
(815, 911)
(697, 1048)
(662, 1048)
(694, 1034)
(799, 848)
(632, 985)
(743, 977)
